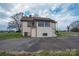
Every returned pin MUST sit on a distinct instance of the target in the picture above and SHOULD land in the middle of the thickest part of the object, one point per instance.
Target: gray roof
(24, 18)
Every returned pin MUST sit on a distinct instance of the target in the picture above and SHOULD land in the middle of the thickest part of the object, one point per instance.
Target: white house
(38, 27)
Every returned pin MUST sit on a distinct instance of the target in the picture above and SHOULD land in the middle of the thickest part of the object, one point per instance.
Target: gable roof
(25, 18)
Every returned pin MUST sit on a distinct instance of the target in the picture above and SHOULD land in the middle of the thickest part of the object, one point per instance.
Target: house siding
(38, 31)
(26, 29)
(49, 30)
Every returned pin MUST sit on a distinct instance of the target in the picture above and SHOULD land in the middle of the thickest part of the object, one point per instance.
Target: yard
(16, 35)
(10, 35)
(40, 46)
(67, 34)
(41, 53)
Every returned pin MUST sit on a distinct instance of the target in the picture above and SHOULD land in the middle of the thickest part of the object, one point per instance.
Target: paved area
(35, 44)
(17, 45)
(56, 44)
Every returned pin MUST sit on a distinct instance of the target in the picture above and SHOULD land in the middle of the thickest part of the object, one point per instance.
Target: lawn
(14, 35)
(40, 53)
(10, 35)
(67, 34)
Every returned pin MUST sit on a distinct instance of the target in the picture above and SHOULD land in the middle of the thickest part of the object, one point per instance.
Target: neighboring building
(38, 27)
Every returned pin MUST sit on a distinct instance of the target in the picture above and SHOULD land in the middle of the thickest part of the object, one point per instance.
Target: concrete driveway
(35, 44)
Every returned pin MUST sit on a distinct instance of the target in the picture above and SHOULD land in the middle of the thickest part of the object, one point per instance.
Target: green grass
(14, 35)
(58, 53)
(10, 35)
(66, 34)
(41, 53)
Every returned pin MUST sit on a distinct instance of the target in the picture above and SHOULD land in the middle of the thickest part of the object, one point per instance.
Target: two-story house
(38, 27)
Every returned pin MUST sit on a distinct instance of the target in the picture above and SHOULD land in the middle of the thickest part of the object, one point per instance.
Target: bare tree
(68, 28)
(74, 26)
(17, 18)
(11, 25)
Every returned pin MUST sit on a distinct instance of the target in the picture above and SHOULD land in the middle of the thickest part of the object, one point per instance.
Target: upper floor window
(30, 24)
(43, 24)
(47, 24)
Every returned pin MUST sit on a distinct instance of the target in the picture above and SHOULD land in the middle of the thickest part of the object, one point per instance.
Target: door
(33, 32)
(25, 34)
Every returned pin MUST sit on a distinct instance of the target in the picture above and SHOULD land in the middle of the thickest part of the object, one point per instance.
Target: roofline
(38, 20)
(24, 20)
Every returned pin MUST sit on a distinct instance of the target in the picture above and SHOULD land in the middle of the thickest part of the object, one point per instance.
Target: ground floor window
(44, 34)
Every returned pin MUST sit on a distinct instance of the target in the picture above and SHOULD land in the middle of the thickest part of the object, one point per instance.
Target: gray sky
(64, 14)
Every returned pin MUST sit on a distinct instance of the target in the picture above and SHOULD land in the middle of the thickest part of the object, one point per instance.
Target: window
(47, 24)
(44, 34)
(30, 24)
(41, 24)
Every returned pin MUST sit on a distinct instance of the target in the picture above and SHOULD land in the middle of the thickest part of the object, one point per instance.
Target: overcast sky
(64, 14)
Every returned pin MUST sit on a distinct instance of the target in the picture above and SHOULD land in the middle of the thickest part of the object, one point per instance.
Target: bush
(57, 32)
